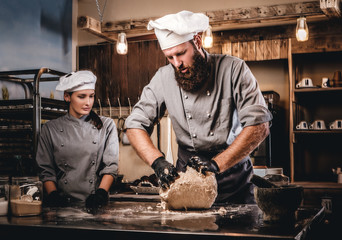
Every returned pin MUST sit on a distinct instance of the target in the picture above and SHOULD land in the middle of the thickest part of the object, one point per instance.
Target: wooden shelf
(313, 153)
(319, 185)
(317, 89)
(317, 131)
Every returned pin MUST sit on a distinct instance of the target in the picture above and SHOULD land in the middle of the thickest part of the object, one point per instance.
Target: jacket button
(61, 130)
(92, 162)
(208, 115)
(94, 142)
(65, 164)
(189, 116)
(62, 145)
(211, 133)
(194, 135)
(208, 93)
(65, 181)
(186, 97)
(91, 180)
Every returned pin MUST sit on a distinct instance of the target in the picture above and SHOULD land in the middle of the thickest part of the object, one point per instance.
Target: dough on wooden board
(192, 190)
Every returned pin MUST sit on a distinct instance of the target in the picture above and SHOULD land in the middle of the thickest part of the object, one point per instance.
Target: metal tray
(145, 188)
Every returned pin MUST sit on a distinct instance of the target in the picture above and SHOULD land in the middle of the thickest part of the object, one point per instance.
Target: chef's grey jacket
(75, 154)
(208, 120)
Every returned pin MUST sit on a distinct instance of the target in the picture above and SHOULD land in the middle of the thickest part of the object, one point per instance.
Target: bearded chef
(217, 110)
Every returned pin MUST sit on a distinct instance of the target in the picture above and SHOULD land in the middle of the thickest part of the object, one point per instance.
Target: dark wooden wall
(121, 76)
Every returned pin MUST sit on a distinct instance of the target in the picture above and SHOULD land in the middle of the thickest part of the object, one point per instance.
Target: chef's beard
(197, 75)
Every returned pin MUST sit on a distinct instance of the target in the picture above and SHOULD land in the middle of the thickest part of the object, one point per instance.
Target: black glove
(165, 171)
(97, 200)
(54, 199)
(203, 166)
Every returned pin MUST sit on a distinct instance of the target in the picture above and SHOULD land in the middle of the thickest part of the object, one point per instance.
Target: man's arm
(249, 138)
(142, 144)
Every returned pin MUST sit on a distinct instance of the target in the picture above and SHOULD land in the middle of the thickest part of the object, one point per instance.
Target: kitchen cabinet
(21, 119)
(314, 153)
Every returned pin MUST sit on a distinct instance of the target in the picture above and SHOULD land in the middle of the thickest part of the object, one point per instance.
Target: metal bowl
(279, 204)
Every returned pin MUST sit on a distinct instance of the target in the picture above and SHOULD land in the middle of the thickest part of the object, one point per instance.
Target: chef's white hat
(174, 29)
(76, 81)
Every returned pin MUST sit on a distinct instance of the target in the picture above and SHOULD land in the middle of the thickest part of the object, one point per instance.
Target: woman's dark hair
(92, 117)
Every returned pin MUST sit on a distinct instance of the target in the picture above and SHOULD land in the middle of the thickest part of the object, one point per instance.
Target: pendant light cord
(99, 11)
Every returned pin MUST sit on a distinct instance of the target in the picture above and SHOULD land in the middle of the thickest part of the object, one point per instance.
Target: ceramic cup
(325, 82)
(337, 76)
(302, 125)
(339, 178)
(336, 79)
(337, 124)
(305, 82)
(318, 125)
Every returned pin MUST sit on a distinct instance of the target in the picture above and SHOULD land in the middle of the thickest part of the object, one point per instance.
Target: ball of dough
(192, 190)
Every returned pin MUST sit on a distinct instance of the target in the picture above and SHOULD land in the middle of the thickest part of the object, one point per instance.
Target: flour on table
(192, 190)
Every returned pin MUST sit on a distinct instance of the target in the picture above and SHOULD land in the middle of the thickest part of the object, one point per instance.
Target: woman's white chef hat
(76, 81)
(174, 29)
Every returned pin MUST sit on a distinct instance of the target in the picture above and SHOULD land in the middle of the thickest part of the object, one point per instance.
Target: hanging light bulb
(302, 31)
(207, 38)
(121, 44)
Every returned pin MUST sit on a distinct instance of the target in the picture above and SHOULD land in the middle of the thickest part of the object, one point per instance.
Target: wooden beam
(220, 20)
(93, 26)
(137, 26)
(264, 14)
(291, 124)
(254, 18)
(331, 8)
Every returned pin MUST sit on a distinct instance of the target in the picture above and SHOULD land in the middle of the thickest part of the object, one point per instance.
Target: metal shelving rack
(26, 114)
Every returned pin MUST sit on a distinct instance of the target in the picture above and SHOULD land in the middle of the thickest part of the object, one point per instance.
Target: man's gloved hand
(54, 199)
(203, 166)
(165, 171)
(97, 200)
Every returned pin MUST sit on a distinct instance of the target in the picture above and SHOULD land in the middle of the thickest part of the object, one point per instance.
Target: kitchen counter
(147, 220)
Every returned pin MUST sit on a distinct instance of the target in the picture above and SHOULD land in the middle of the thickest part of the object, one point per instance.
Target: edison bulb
(207, 38)
(121, 48)
(121, 44)
(208, 42)
(302, 35)
(302, 31)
